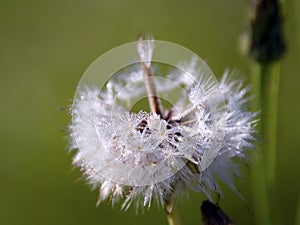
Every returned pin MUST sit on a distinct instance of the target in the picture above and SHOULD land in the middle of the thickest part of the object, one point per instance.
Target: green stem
(270, 85)
(261, 206)
(265, 78)
(173, 216)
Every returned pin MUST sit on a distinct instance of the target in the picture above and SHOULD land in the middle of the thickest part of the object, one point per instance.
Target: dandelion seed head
(144, 156)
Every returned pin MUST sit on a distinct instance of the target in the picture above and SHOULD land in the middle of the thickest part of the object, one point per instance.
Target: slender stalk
(266, 48)
(265, 78)
(270, 85)
(153, 99)
(261, 205)
(172, 215)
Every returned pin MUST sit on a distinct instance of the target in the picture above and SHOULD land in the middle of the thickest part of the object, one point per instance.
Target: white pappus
(144, 156)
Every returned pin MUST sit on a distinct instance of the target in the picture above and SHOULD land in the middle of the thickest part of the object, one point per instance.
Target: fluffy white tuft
(114, 144)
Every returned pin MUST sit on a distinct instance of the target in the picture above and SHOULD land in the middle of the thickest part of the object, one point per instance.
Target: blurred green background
(45, 47)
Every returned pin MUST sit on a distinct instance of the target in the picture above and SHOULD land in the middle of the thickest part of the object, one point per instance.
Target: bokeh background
(45, 47)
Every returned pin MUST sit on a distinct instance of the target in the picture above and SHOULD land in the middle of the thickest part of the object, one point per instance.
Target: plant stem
(265, 78)
(153, 99)
(270, 85)
(261, 206)
(173, 216)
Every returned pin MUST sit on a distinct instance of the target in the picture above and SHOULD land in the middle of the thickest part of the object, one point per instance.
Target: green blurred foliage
(45, 46)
